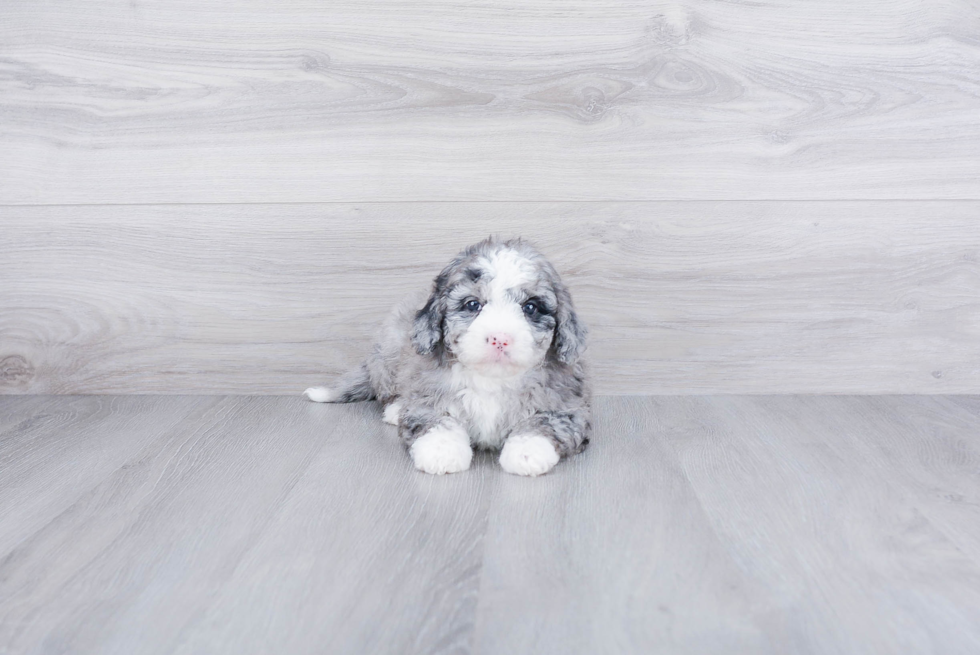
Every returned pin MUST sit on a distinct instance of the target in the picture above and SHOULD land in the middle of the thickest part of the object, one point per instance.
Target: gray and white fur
(491, 358)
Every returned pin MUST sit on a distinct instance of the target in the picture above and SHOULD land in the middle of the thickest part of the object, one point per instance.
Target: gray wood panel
(183, 101)
(731, 297)
(613, 553)
(19, 411)
(68, 446)
(821, 519)
(740, 524)
(366, 555)
(147, 546)
(935, 448)
(273, 506)
(701, 524)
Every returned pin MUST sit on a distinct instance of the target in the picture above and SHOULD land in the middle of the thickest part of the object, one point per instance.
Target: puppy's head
(499, 308)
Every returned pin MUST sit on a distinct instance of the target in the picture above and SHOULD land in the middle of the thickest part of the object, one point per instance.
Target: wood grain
(189, 101)
(146, 546)
(311, 519)
(67, 446)
(818, 515)
(933, 445)
(619, 562)
(739, 524)
(747, 297)
(701, 524)
(366, 555)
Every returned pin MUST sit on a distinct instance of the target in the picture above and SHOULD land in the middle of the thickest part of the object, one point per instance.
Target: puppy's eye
(530, 308)
(472, 305)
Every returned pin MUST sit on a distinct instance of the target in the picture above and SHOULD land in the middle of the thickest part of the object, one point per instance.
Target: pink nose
(499, 341)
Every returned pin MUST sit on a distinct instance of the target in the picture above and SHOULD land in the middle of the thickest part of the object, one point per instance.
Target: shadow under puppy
(492, 360)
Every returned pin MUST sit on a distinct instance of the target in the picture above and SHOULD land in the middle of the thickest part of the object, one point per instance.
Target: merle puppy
(491, 360)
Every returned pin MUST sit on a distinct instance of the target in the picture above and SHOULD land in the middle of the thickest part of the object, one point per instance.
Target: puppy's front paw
(443, 449)
(392, 410)
(528, 454)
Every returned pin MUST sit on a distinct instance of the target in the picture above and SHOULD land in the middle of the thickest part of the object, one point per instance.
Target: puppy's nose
(500, 340)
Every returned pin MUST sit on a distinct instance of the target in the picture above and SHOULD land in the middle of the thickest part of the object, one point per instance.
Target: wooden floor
(694, 524)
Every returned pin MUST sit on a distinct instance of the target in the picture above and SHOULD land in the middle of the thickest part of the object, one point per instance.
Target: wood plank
(15, 411)
(932, 445)
(706, 524)
(826, 524)
(367, 555)
(681, 297)
(107, 102)
(70, 445)
(261, 523)
(132, 561)
(612, 553)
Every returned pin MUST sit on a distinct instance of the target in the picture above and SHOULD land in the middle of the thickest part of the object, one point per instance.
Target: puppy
(491, 360)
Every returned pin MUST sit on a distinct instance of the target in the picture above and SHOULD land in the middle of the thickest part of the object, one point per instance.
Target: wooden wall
(766, 197)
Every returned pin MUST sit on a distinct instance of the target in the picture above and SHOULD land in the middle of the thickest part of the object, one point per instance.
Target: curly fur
(493, 351)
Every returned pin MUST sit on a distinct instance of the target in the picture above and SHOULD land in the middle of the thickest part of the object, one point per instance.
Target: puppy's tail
(353, 386)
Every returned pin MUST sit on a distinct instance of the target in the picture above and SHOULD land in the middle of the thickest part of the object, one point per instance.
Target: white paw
(443, 449)
(528, 454)
(392, 410)
(319, 394)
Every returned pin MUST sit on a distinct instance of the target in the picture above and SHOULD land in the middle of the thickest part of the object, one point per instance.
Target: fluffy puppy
(491, 360)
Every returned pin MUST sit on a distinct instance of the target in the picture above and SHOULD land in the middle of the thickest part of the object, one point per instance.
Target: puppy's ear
(427, 329)
(570, 333)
